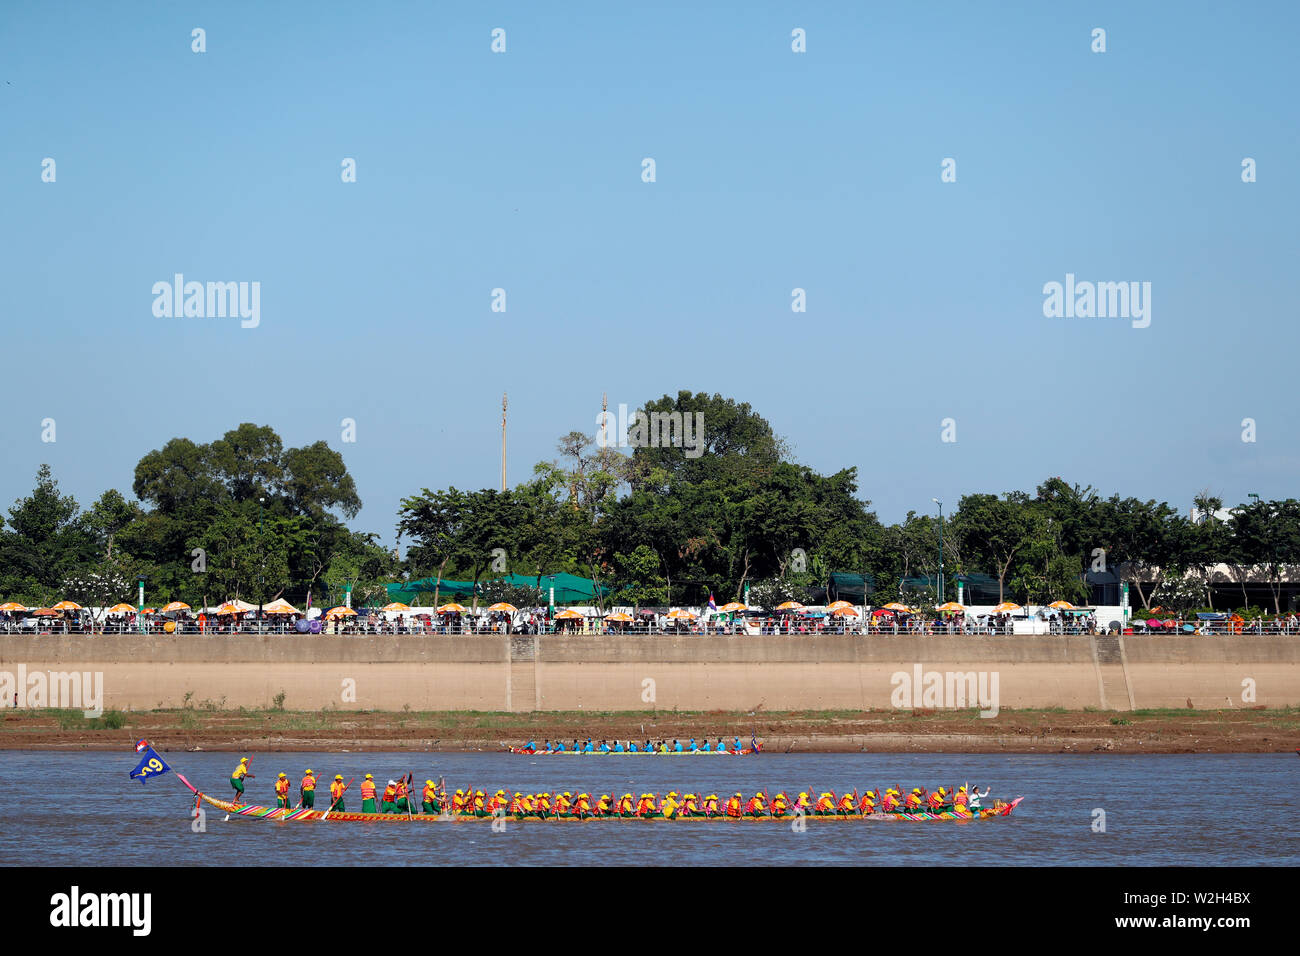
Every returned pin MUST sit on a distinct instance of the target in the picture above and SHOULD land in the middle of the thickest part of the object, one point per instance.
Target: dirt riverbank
(1012, 731)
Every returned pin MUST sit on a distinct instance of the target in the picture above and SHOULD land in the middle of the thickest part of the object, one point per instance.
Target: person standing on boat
(282, 791)
(237, 779)
(976, 797)
(336, 793)
(368, 794)
(307, 789)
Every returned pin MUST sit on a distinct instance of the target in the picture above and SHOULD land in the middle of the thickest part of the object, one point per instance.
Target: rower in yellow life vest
(282, 791)
(458, 802)
(429, 801)
(336, 794)
(605, 805)
(307, 789)
(582, 805)
(734, 807)
(564, 804)
(498, 801)
(625, 807)
(477, 803)
(669, 806)
(368, 794)
(516, 808)
(544, 805)
(959, 799)
(528, 804)
(237, 778)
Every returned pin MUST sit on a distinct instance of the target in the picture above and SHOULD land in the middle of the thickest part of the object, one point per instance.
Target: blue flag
(151, 766)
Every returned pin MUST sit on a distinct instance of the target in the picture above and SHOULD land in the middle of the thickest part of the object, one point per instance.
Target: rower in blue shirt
(704, 748)
(604, 747)
(531, 745)
(618, 746)
(722, 747)
(588, 748)
(735, 744)
(559, 746)
(632, 747)
(677, 746)
(694, 748)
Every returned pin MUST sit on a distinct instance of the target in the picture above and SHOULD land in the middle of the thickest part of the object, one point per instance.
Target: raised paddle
(410, 777)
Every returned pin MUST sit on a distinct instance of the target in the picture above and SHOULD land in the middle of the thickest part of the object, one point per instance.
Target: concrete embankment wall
(687, 673)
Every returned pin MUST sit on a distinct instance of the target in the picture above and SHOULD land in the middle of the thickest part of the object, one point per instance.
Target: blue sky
(775, 170)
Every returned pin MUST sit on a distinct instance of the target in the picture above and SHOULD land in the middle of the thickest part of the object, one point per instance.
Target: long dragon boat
(327, 816)
(748, 751)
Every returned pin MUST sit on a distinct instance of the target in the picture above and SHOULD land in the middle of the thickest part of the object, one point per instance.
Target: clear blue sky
(775, 170)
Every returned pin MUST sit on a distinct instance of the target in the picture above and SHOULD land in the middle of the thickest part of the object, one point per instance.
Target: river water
(1235, 809)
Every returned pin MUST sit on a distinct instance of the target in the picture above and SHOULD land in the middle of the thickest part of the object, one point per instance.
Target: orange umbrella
(44, 612)
(567, 614)
(12, 606)
(504, 606)
(895, 606)
(845, 612)
(789, 606)
(618, 616)
(334, 613)
(121, 609)
(838, 605)
(733, 606)
(452, 608)
(396, 606)
(681, 615)
(175, 606)
(952, 606)
(1006, 607)
(1062, 605)
(67, 606)
(278, 606)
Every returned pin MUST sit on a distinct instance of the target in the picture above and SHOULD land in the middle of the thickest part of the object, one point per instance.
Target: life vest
(309, 782)
(336, 789)
(390, 793)
(688, 805)
(282, 786)
(646, 805)
(367, 790)
(755, 805)
(935, 801)
(825, 803)
(890, 802)
(913, 801)
(846, 802)
(430, 793)
(516, 805)
(625, 805)
(733, 807)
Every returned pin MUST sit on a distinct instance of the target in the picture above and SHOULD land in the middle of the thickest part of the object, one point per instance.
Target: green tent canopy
(569, 588)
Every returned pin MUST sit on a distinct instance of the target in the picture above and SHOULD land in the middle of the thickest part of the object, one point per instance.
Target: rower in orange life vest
(734, 807)
(867, 805)
(889, 803)
(825, 804)
(429, 800)
(282, 791)
(307, 789)
(914, 800)
(645, 806)
(368, 794)
(337, 786)
(387, 805)
(936, 800)
(780, 804)
(402, 799)
(845, 806)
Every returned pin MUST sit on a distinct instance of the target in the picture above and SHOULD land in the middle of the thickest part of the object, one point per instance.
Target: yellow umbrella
(789, 606)
(1062, 605)
(567, 614)
(618, 616)
(951, 606)
(280, 606)
(733, 606)
(1007, 606)
(334, 613)
(67, 606)
(452, 608)
(175, 606)
(12, 606)
(681, 615)
(503, 606)
(120, 609)
(396, 606)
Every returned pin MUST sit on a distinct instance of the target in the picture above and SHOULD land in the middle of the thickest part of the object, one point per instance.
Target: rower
(618, 746)
(605, 805)
(582, 806)
(564, 804)
(669, 806)
(692, 747)
(733, 806)
(307, 789)
(914, 800)
(477, 803)
(368, 794)
(960, 799)
(282, 791)
(632, 747)
(588, 748)
(845, 806)
(780, 803)
(890, 801)
(735, 744)
(936, 800)
(645, 807)
(559, 746)
(336, 793)
(604, 746)
(867, 805)
(721, 747)
(457, 801)
(543, 805)
(677, 746)
(237, 779)
(390, 796)
(430, 802)
(531, 746)
(690, 806)
(803, 803)
(625, 808)
(825, 804)
(704, 747)
(755, 806)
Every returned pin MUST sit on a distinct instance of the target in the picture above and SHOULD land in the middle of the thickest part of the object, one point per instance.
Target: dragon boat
(746, 752)
(327, 816)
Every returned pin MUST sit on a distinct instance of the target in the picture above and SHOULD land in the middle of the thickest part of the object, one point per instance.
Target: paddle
(338, 798)
(410, 777)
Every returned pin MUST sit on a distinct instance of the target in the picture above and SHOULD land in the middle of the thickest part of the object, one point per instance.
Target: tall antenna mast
(503, 441)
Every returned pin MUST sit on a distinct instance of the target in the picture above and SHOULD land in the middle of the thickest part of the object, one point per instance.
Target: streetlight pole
(940, 504)
(261, 577)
